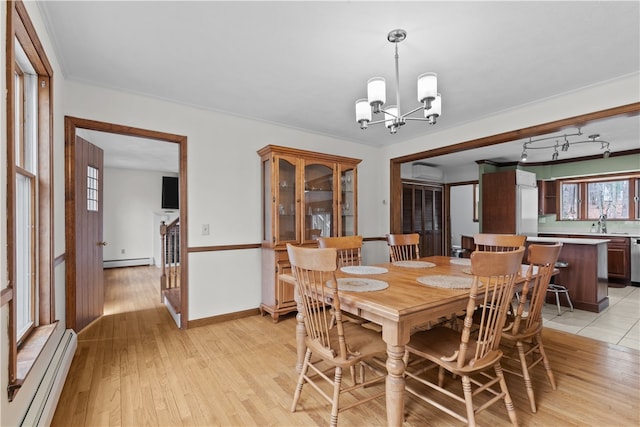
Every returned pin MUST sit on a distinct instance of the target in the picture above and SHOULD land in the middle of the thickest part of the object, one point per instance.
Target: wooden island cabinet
(618, 254)
(305, 195)
(586, 273)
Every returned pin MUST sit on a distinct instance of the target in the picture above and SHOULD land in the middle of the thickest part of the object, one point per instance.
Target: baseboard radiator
(133, 262)
(45, 400)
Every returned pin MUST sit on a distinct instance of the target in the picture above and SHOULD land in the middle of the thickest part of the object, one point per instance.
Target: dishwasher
(635, 261)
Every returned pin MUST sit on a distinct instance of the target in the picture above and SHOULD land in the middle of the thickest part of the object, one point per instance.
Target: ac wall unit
(426, 172)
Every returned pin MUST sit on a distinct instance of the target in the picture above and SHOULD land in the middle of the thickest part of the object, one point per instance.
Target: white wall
(461, 213)
(224, 185)
(131, 198)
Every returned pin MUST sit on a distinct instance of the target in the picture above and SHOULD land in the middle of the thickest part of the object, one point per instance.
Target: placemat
(449, 282)
(361, 285)
(414, 264)
(460, 261)
(363, 269)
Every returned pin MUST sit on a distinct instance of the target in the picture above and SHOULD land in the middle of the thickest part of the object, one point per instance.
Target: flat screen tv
(170, 192)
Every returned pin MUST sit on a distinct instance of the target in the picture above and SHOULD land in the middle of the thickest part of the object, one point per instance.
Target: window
(25, 130)
(610, 196)
(570, 201)
(29, 196)
(92, 189)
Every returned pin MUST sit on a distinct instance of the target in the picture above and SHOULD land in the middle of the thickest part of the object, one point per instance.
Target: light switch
(205, 230)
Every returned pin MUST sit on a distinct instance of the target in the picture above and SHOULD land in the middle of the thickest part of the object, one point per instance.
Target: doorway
(73, 125)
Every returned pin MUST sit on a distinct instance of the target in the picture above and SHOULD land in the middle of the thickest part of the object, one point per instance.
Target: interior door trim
(395, 184)
(70, 126)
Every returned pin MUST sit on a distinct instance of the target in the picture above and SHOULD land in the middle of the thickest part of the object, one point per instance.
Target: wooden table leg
(395, 385)
(301, 334)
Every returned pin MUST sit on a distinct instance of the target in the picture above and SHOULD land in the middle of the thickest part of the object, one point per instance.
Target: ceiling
(303, 64)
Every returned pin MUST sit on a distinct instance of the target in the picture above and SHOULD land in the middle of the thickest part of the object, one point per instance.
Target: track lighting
(539, 144)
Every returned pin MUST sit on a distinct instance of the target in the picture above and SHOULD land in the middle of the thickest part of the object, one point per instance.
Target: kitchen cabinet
(509, 202)
(619, 259)
(546, 197)
(305, 195)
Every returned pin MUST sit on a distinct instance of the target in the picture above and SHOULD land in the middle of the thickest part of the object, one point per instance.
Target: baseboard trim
(222, 318)
(133, 262)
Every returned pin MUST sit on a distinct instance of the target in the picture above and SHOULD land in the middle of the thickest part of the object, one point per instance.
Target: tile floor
(617, 324)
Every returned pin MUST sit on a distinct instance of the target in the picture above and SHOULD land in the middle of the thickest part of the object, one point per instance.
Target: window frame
(633, 180)
(20, 29)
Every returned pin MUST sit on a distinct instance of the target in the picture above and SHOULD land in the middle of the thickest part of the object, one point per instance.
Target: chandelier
(428, 96)
(562, 143)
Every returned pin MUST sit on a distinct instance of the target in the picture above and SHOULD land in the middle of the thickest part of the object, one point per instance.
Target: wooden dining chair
(498, 242)
(336, 346)
(349, 248)
(403, 247)
(523, 333)
(472, 357)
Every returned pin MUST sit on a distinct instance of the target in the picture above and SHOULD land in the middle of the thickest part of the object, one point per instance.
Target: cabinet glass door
(318, 201)
(348, 202)
(286, 201)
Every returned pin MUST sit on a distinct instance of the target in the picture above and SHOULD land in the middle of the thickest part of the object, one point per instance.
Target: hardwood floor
(134, 367)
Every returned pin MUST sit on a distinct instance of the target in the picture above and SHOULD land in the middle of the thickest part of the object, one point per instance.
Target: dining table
(399, 297)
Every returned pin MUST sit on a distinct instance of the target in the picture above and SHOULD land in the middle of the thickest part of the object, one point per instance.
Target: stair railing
(170, 237)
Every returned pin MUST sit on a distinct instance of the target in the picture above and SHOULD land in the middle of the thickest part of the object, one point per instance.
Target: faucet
(602, 224)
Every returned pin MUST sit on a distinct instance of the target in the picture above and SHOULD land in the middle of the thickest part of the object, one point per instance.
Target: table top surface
(405, 295)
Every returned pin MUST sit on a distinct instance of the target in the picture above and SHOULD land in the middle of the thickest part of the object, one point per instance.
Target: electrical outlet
(205, 230)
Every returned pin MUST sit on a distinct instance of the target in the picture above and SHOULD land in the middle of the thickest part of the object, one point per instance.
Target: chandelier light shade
(427, 87)
(376, 93)
(540, 144)
(363, 111)
(428, 97)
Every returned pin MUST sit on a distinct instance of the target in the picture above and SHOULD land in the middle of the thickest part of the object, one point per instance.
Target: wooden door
(422, 207)
(84, 208)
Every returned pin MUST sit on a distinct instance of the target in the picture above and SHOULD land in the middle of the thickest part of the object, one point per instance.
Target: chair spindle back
(541, 259)
(349, 249)
(494, 276)
(314, 272)
(403, 247)
(498, 242)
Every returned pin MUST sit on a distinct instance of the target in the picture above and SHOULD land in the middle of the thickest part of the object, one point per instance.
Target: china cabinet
(305, 195)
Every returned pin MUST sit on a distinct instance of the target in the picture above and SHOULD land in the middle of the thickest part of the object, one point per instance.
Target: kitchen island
(586, 275)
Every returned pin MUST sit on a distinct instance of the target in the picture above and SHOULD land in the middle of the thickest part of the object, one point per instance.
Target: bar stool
(560, 289)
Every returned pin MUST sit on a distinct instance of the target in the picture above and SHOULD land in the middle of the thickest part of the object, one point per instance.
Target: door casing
(71, 124)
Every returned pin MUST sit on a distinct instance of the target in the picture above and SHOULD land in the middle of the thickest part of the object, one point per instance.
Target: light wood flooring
(133, 367)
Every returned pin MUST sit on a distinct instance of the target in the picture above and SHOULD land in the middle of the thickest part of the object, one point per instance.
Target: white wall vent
(427, 172)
